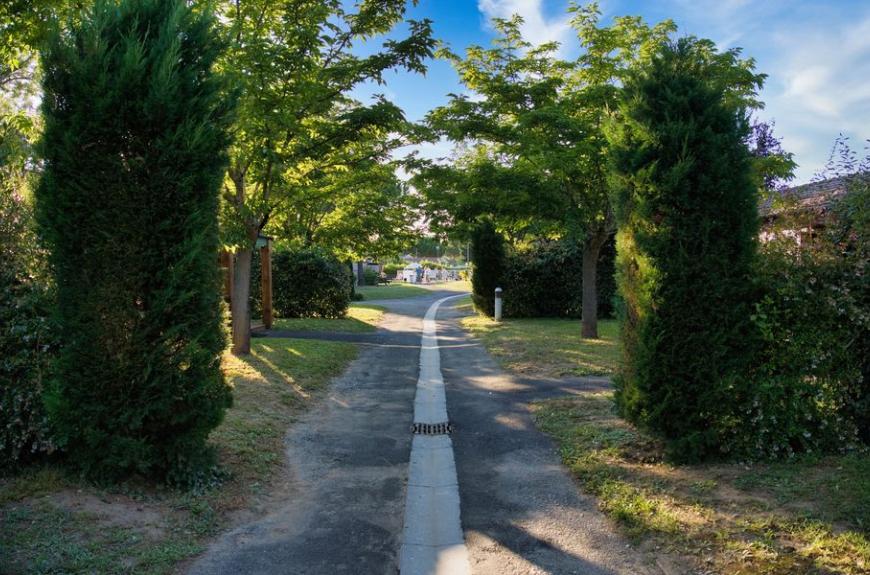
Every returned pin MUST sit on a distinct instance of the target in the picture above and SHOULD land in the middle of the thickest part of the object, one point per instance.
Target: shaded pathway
(348, 460)
(521, 511)
(384, 338)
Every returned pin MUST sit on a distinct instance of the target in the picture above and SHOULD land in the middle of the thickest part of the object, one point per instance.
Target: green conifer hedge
(488, 258)
(546, 280)
(136, 128)
(687, 214)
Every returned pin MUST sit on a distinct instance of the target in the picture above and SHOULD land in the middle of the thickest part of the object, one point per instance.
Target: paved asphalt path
(348, 460)
(521, 511)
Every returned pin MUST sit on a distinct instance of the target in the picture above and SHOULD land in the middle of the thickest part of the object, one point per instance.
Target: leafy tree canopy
(353, 213)
(298, 131)
(535, 159)
(294, 65)
(536, 121)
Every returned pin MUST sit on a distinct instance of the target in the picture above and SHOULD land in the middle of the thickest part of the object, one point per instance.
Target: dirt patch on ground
(51, 522)
(112, 510)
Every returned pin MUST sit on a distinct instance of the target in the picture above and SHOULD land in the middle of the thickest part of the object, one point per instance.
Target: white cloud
(828, 70)
(731, 19)
(810, 87)
(817, 56)
(819, 87)
(537, 27)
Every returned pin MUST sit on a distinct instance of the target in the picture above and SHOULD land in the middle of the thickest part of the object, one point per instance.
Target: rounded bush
(370, 277)
(310, 283)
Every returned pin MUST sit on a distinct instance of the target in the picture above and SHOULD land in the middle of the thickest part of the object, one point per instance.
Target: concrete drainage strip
(432, 428)
(433, 543)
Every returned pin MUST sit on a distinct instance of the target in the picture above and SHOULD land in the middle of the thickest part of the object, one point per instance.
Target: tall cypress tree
(687, 212)
(136, 132)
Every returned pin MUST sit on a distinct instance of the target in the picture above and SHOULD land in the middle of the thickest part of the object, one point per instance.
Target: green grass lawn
(399, 290)
(360, 318)
(801, 517)
(464, 303)
(394, 290)
(455, 286)
(52, 523)
(547, 347)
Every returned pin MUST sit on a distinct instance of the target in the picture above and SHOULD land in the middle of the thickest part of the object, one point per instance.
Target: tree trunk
(591, 251)
(266, 284)
(360, 275)
(241, 302)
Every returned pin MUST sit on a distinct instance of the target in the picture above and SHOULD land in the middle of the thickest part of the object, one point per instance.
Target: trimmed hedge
(136, 132)
(431, 265)
(392, 270)
(488, 258)
(256, 299)
(547, 281)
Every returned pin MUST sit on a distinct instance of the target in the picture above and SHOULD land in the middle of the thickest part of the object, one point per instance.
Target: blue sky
(816, 53)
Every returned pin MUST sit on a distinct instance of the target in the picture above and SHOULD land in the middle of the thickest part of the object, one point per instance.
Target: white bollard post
(498, 304)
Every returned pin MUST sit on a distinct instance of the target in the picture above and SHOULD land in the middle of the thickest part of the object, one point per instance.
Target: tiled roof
(815, 196)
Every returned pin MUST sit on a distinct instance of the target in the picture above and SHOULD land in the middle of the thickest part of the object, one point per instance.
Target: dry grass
(360, 318)
(52, 523)
(803, 517)
(547, 347)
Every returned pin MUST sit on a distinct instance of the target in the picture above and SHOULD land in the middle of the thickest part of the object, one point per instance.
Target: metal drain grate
(432, 428)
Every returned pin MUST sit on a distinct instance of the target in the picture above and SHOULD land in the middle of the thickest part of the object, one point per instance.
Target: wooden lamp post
(264, 243)
(227, 260)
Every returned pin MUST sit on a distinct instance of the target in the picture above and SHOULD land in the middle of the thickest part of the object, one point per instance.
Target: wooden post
(227, 265)
(240, 306)
(266, 283)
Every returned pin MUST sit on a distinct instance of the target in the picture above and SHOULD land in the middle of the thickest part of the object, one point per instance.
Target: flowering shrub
(26, 339)
(810, 390)
(852, 239)
(808, 374)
